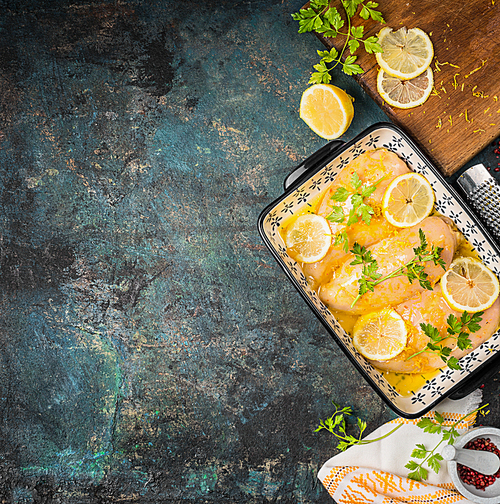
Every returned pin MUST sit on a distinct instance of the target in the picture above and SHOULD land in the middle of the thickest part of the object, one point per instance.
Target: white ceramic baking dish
(309, 180)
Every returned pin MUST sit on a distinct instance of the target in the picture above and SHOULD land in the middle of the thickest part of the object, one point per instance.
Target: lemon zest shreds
(440, 123)
(437, 65)
(483, 62)
(455, 83)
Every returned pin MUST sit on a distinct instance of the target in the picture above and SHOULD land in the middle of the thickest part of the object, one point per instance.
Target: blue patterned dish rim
(448, 203)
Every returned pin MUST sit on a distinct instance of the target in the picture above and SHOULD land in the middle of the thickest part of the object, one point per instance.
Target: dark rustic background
(150, 348)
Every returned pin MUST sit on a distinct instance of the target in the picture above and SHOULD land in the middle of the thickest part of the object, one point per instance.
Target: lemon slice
(407, 53)
(327, 110)
(380, 335)
(405, 94)
(408, 200)
(469, 285)
(308, 238)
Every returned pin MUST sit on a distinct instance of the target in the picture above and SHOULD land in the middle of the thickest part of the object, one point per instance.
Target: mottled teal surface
(151, 349)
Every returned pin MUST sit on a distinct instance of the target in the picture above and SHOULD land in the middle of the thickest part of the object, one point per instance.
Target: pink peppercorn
(474, 478)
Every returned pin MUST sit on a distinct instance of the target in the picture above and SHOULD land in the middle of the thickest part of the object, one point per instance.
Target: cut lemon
(308, 238)
(408, 200)
(405, 94)
(407, 53)
(469, 285)
(380, 335)
(327, 110)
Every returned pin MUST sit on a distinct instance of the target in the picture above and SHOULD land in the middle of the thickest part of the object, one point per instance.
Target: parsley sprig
(337, 425)
(326, 20)
(413, 269)
(432, 458)
(359, 210)
(458, 329)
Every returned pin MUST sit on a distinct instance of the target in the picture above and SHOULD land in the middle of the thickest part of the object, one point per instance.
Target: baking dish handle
(484, 375)
(312, 161)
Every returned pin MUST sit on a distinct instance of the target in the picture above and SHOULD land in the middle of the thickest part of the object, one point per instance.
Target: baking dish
(310, 179)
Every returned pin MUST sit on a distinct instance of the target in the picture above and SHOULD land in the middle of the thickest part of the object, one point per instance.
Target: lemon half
(469, 285)
(380, 335)
(327, 110)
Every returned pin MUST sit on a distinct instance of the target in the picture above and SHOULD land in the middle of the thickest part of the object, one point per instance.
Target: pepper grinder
(483, 192)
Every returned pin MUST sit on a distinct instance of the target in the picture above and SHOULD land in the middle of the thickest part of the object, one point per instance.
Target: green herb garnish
(413, 270)
(337, 426)
(359, 210)
(320, 17)
(458, 329)
(430, 457)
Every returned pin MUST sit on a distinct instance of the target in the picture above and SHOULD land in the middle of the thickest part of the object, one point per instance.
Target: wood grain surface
(462, 116)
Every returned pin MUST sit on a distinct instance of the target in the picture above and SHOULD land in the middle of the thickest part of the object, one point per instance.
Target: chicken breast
(319, 272)
(379, 166)
(430, 307)
(390, 253)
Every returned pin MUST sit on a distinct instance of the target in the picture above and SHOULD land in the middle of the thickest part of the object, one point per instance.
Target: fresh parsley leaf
(431, 331)
(334, 17)
(351, 6)
(340, 195)
(365, 212)
(434, 462)
(367, 191)
(357, 31)
(336, 215)
(368, 10)
(353, 45)
(372, 46)
(356, 182)
(419, 452)
(350, 68)
(342, 239)
(452, 363)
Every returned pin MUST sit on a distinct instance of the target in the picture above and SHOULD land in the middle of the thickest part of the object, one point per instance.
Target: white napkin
(375, 473)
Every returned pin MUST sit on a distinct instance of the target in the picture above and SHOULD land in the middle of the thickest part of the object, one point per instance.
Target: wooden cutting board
(462, 116)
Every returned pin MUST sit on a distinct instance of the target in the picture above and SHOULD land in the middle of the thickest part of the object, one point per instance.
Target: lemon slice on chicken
(408, 200)
(308, 238)
(380, 335)
(469, 285)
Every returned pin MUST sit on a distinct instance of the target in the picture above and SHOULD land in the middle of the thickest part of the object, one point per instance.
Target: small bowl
(491, 494)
